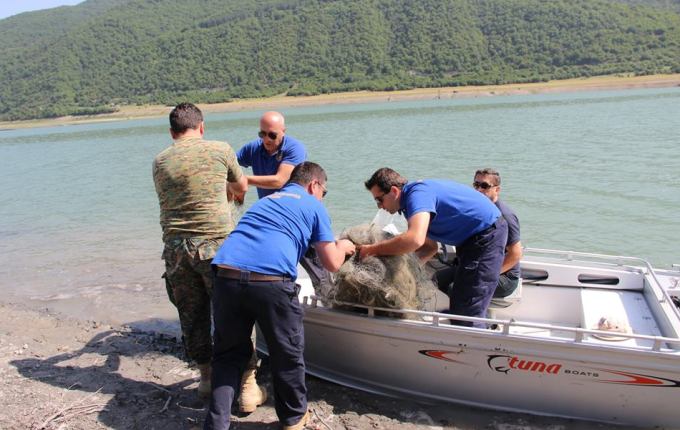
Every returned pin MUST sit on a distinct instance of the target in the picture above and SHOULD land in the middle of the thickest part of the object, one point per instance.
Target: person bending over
(256, 269)
(453, 214)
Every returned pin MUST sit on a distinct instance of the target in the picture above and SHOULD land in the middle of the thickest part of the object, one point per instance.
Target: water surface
(591, 171)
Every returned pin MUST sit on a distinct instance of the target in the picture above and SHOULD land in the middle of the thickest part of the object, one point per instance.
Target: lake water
(589, 171)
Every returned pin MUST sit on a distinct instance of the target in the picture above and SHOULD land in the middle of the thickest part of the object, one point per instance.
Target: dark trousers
(275, 307)
(444, 280)
(321, 278)
(480, 259)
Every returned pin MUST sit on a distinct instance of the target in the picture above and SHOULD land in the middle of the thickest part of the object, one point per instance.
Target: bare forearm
(273, 182)
(332, 254)
(427, 251)
(513, 254)
(402, 244)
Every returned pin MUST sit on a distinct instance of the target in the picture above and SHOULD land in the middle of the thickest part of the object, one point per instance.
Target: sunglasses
(323, 187)
(482, 185)
(380, 199)
(270, 135)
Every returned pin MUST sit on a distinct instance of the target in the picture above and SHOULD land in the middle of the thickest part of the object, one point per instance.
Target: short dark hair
(185, 116)
(306, 172)
(385, 178)
(491, 172)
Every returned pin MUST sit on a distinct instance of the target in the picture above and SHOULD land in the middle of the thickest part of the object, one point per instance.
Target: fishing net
(395, 282)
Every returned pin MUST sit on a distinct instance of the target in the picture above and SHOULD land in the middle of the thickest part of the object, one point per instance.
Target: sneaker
(300, 424)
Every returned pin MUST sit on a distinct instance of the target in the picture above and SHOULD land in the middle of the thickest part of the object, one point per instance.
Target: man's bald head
(272, 118)
(272, 130)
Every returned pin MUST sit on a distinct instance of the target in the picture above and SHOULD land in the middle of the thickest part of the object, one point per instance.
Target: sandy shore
(60, 373)
(569, 85)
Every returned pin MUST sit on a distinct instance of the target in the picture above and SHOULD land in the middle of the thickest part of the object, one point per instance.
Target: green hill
(102, 53)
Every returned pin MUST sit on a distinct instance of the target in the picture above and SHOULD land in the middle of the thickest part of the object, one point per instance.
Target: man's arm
(237, 190)
(273, 182)
(513, 253)
(411, 240)
(427, 251)
(332, 254)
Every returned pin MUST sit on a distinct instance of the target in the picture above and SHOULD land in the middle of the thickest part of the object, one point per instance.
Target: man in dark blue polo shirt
(256, 268)
(453, 214)
(488, 182)
(272, 156)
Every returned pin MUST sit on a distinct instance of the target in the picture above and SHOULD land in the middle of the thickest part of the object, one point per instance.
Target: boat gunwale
(437, 317)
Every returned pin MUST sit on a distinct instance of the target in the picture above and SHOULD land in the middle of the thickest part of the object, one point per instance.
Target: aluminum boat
(546, 353)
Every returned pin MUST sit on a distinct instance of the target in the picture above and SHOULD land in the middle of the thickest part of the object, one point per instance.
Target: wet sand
(598, 83)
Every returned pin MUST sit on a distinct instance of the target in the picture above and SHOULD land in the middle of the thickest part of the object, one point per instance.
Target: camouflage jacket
(191, 182)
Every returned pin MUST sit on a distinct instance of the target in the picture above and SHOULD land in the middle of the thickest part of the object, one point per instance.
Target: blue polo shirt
(254, 154)
(457, 211)
(275, 232)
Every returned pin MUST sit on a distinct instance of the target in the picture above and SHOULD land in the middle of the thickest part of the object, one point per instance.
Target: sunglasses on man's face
(270, 135)
(323, 187)
(482, 185)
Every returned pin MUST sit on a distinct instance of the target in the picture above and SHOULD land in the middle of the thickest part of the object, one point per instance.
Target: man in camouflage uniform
(191, 182)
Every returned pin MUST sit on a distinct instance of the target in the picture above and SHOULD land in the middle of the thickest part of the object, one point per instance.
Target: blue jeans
(480, 259)
(274, 305)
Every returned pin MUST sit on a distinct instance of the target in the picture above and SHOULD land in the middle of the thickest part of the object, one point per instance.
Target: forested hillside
(103, 53)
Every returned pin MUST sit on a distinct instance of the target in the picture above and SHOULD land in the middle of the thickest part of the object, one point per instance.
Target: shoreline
(597, 83)
(60, 372)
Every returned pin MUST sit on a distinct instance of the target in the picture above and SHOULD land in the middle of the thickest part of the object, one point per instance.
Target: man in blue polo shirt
(256, 268)
(272, 156)
(453, 214)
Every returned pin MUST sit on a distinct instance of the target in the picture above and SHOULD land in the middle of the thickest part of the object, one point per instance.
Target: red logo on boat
(638, 379)
(440, 355)
(507, 363)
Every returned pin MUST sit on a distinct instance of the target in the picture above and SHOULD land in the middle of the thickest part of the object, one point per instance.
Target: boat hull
(493, 370)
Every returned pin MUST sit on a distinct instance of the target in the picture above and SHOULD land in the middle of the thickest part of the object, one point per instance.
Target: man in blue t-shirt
(488, 182)
(256, 268)
(453, 214)
(272, 156)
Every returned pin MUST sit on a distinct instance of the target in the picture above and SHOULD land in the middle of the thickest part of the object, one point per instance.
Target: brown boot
(252, 395)
(300, 424)
(204, 388)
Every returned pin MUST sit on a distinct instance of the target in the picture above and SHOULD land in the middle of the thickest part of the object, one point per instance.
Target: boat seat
(624, 308)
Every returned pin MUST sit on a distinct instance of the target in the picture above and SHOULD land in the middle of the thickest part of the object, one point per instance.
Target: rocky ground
(60, 373)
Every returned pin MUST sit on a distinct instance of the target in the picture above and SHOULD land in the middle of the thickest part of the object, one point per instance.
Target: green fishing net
(394, 282)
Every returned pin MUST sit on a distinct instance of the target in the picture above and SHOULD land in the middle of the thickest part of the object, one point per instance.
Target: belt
(246, 276)
(485, 231)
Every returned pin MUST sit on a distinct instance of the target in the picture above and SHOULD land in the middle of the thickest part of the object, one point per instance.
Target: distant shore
(613, 82)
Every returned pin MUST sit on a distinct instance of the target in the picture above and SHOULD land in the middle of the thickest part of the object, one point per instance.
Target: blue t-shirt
(275, 232)
(457, 211)
(254, 154)
(513, 231)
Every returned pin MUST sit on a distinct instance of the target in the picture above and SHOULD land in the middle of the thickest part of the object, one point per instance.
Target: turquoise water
(590, 171)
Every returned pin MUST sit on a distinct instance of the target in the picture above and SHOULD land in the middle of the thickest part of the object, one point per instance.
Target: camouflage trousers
(189, 283)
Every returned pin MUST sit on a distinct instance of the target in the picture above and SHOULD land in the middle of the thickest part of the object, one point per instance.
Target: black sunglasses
(483, 185)
(323, 187)
(270, 134)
